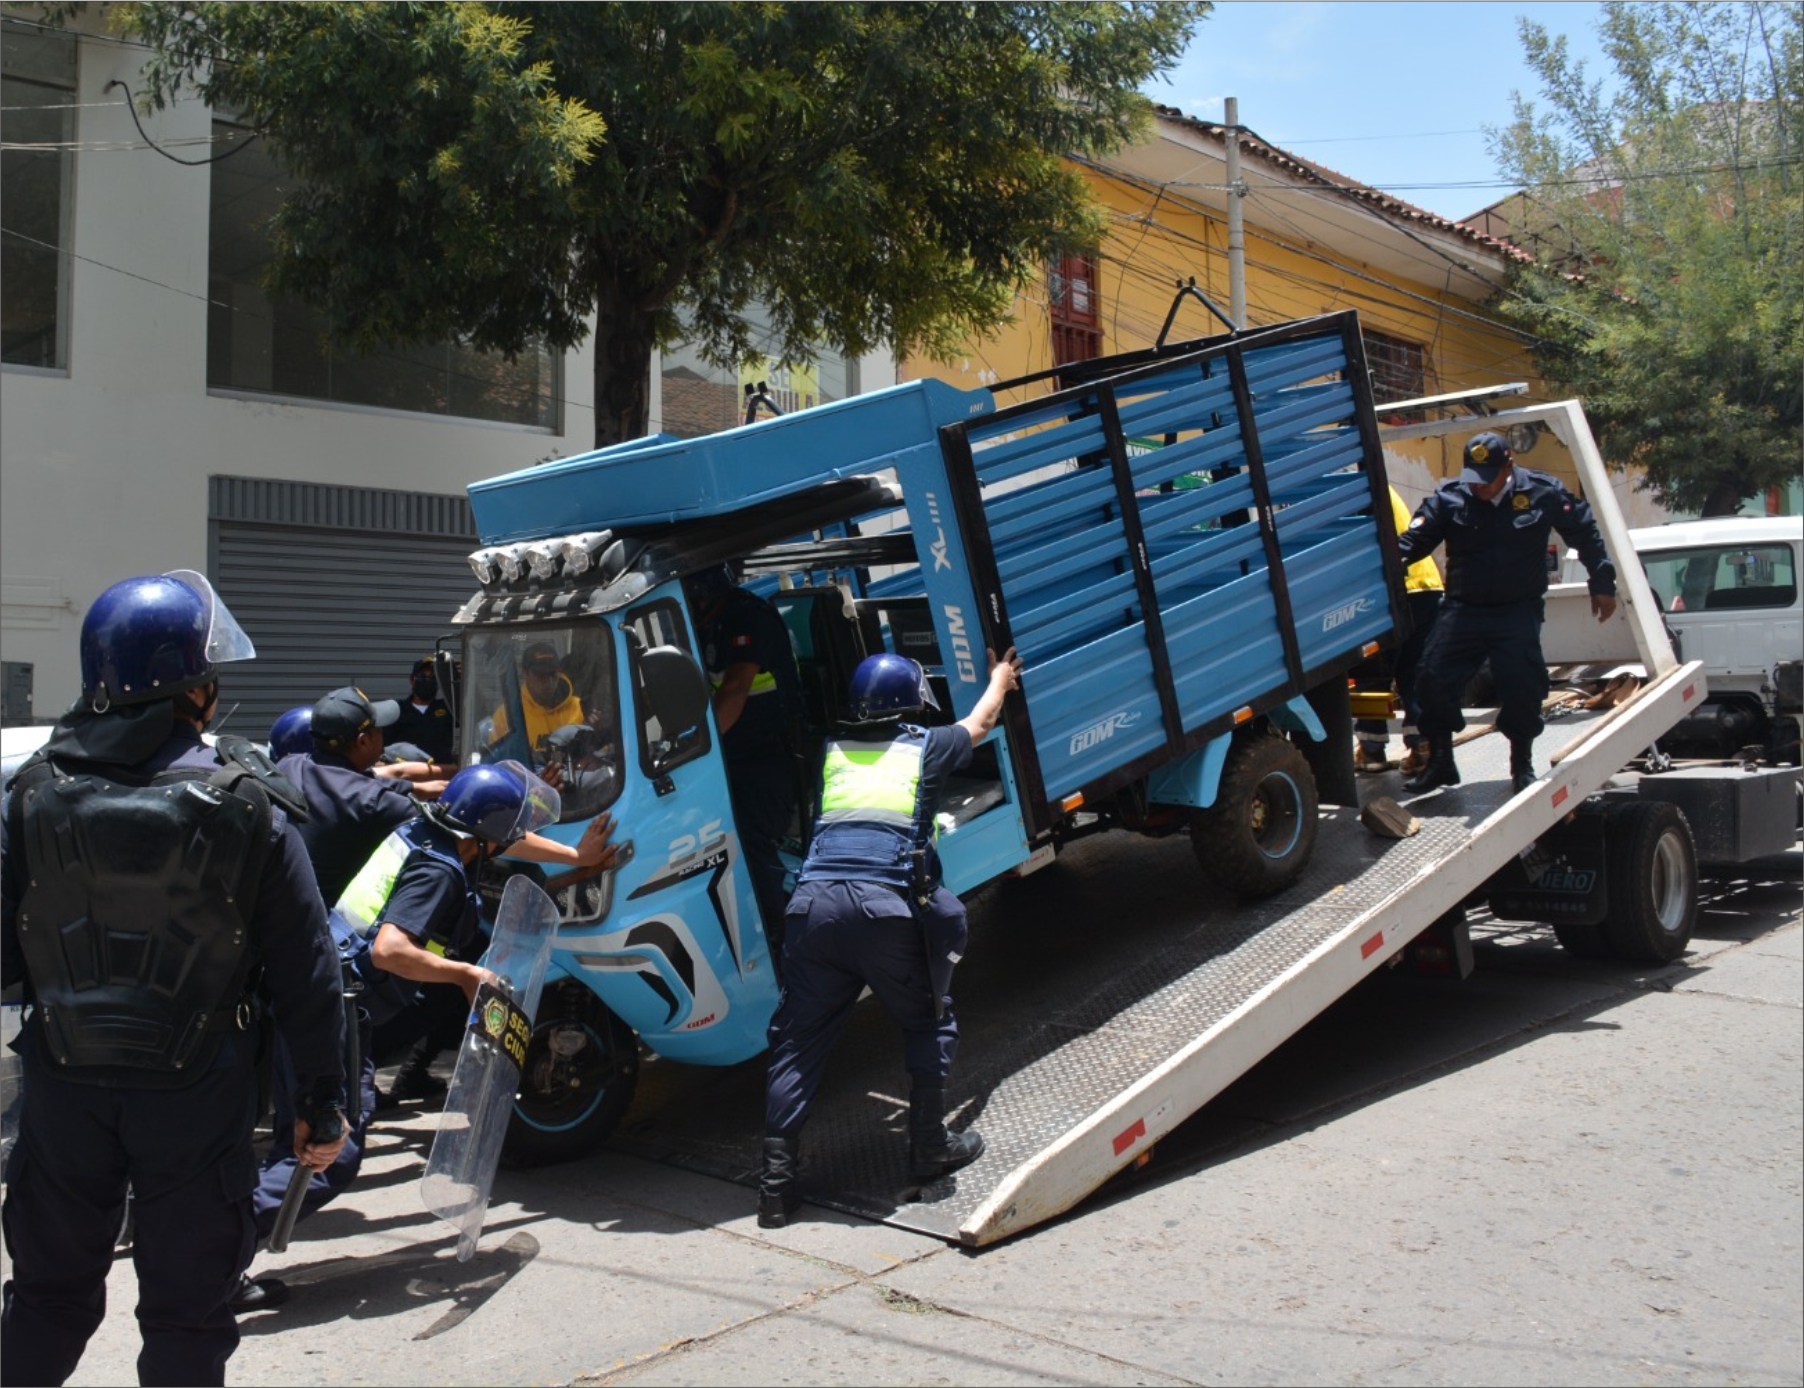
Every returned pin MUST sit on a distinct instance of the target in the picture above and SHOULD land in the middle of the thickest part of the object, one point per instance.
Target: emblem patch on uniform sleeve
(1414, 521)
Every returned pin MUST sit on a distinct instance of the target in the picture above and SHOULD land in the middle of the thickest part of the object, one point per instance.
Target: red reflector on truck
(1370, 947)
(1129, 1136)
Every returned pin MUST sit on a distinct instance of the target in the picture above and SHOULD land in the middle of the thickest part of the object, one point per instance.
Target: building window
(37, 171)
(1072, 298)
(1399, 372)
(276, 347)
(701, 398)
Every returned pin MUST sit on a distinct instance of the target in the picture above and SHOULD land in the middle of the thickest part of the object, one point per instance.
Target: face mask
(425, 687)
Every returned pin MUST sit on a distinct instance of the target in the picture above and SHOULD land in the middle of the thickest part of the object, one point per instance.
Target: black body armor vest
(133, 923)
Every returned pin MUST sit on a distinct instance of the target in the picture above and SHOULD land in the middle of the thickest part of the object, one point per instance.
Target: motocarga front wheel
(582, 1065)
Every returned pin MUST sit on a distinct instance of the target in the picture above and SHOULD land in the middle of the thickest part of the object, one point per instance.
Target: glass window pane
(256, 344)
(546, 697)
(37, 90)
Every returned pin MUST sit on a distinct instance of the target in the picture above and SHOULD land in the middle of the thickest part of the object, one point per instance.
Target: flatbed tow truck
(1106, 1030)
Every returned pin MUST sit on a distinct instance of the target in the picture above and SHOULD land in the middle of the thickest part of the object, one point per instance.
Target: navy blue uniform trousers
(186, 1155)
(279, 1161)
(839, 937)
(763, 790)
(1463, 635)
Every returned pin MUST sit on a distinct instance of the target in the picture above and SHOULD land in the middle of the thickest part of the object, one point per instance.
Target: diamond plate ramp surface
(1079, 980)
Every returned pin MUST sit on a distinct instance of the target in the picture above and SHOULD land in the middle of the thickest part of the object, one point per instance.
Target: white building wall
(103, 470)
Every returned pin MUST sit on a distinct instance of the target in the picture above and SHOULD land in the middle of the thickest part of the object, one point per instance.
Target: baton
(291, 1206)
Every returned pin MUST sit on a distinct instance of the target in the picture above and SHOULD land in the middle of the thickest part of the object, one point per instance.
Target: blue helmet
(292, 732)
(498, 802)
(150, 637)
(889, 686)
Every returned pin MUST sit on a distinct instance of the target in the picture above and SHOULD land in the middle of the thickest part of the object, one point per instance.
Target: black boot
(932, 1151)
(1522, 763)
(778, 1196)
(415, 1080)
(1440, 770)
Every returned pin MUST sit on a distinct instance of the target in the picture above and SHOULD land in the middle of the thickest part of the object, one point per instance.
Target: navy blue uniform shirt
(1497, 552)
(429, 729)
(349, 814)
(747, 628)
(428, 902)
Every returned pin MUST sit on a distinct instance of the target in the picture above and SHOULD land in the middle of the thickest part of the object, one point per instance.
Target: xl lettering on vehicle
(942, 558)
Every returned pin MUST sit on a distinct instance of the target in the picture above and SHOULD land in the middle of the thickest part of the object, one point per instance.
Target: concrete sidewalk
(1554, 1173)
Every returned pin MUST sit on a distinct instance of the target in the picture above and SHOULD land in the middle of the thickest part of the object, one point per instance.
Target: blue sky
(1393, 95)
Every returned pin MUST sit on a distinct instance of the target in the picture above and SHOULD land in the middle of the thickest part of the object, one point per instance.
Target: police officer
(411, 917)
(757, 706)
(350, 808)
(1494, 519)
(1422, 593)
(869, 910)
(130, 842)
(425, 719)
(291, 732)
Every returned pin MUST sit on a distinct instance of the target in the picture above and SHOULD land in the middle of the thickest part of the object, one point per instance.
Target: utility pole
(1237, 246)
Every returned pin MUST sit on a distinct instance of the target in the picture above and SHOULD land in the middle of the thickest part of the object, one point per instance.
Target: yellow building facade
(1314, 242)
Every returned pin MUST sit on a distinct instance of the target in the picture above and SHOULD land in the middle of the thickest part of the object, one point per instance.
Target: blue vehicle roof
(661, 479)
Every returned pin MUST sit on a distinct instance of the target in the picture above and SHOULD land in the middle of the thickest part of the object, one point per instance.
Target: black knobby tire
(582, 1066)
(1653, 882)
(1255, 840)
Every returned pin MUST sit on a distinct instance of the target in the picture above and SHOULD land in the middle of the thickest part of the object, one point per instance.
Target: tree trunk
(623, 349)
(1724, 499)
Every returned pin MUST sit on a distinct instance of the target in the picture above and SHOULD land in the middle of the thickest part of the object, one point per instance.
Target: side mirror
(677, 695)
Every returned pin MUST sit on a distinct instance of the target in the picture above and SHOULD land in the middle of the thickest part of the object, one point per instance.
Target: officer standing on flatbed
(1495, 519)
(148, 882)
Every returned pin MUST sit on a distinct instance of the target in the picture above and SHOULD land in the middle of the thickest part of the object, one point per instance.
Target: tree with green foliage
(881, 173)
(1669, 285)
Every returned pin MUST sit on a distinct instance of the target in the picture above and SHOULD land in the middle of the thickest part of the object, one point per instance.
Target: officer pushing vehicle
(412, 916)
(148, 883)
(870, 910)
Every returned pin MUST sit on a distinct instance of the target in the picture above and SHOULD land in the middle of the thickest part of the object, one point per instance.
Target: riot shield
(467, 1147)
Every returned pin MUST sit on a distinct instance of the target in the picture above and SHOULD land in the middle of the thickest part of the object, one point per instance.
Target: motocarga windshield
(547, 697)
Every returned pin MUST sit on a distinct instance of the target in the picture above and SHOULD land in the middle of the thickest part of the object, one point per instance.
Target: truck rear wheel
(1653, 882)
(582, 1066)
(1255, 840)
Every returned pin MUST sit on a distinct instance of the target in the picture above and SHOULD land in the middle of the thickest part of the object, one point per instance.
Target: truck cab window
(547, 697)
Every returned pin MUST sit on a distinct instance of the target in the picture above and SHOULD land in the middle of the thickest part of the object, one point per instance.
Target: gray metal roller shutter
(335, 585)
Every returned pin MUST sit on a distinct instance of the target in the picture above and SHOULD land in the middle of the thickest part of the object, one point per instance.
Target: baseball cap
(344, 713)
(1487, 454)
(423, 663)
(539, 655)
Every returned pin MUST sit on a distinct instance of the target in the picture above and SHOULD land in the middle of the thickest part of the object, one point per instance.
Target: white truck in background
(1728, 590)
